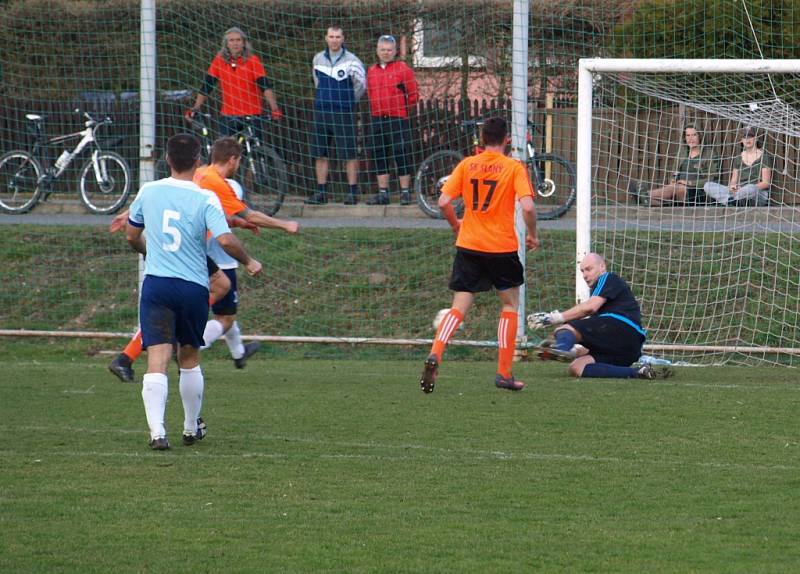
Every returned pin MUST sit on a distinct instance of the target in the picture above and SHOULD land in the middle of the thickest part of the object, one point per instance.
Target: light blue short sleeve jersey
(215, 250)
(177, 216)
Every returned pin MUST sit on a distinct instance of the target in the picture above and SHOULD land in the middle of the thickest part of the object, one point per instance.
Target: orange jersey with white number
(207, 177)
(490, 184)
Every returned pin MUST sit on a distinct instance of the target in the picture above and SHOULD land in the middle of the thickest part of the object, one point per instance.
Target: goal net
(353, 272)
(717, 267)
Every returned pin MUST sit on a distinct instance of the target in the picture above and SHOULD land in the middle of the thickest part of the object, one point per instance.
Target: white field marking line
(89, 391)
(788, 385)
(478, 454)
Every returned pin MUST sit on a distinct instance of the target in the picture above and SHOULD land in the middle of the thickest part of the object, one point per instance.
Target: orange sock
(506, 341)
(447, 327)
(134, 348)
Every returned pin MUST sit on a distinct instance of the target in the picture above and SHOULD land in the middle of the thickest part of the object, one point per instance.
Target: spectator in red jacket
(392, 92)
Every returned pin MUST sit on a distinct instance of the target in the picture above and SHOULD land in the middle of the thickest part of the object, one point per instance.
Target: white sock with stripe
(234, 340)
(192, 385)
(213, 331)
(155, 388)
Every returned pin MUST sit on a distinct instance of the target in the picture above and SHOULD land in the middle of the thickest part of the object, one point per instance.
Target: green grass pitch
(325, 465)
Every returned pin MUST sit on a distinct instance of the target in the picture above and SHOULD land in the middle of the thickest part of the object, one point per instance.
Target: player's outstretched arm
(263, 220)
(234, 248)
(118, 223)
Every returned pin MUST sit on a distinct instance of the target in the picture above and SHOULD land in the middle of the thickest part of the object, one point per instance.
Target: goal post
(718, 280)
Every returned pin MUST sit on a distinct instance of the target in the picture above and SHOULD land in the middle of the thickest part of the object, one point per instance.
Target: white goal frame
(589, 66)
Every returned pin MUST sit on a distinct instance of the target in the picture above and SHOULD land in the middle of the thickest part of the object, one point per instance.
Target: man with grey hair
(339, 82)
(392, 91)
(608, 327)
(243, 82)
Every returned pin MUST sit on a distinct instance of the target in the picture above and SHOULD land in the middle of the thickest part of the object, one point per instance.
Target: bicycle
(104, 181)
(552, 176)
(262, 172)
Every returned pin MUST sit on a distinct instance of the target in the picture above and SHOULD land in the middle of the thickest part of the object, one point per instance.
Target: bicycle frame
(87, 138)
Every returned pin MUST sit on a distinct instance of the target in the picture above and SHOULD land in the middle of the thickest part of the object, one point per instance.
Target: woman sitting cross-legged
(750, 178)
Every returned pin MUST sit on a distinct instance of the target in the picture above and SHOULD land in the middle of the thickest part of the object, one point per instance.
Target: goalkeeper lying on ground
(607, 326)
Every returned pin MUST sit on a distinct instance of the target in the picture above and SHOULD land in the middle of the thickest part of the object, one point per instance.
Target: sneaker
(650, 372)
(379, 199)
(405, 198)
(429, 373)
(121, 368)
(249, 350)
(555, 354)
(160, 443)
(317, 199)
(509, 383)
(200, 433)
(351, 199)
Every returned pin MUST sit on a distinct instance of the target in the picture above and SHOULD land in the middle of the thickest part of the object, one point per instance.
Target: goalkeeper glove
(541, 320)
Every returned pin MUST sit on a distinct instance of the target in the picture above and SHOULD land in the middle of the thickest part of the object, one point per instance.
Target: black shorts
(475, 271)
(696, 196)
(212, 266)
(609, 340)
(391, 140)
(228, 304)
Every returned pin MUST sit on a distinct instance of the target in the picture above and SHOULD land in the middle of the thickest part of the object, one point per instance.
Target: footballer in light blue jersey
(177, 215)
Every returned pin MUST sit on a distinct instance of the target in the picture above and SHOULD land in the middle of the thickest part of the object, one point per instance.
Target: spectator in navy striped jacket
(339, 82)
(392, 91)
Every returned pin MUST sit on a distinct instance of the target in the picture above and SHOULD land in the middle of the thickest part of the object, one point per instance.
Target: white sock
(154, 396)
(213, 331)
(234, 340)
(191, 386)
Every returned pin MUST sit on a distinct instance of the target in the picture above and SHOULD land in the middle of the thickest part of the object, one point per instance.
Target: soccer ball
(440, 316)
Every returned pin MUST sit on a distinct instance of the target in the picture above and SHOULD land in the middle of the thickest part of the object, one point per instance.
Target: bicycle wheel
(554, 181)
(106, 189)
(431, 175)
(20, 173)
(265, 181)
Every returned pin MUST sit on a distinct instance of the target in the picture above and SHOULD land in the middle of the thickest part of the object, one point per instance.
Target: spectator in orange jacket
(392, 91)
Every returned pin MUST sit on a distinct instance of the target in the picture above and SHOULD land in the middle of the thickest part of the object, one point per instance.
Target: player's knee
(226, 321)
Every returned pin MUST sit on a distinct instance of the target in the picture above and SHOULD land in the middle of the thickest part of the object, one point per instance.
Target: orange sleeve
(258, 67)
(452, 186)
(522, 181)
(213, 69)
(231, 204)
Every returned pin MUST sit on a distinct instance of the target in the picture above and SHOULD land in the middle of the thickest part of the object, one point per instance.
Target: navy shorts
(172, 310)
(475, 271)
(391, 140)
(227, 305)
(341, 126)
(609, 340)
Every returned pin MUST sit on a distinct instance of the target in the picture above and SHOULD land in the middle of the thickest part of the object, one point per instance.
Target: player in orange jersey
(490, 184)
(225, 158)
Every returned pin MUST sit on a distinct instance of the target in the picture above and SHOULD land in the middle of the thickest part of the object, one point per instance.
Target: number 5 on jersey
(174, 232)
